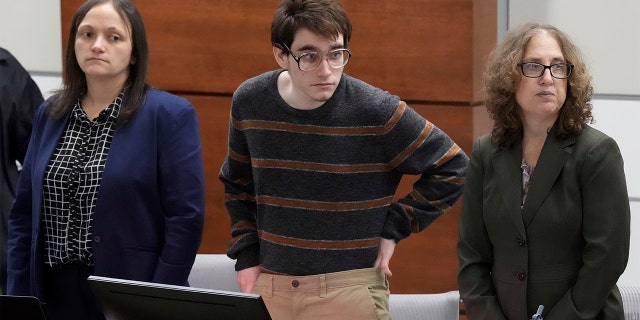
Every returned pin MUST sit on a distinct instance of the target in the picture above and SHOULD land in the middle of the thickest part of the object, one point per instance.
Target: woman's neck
(532, 142)
(99, 96)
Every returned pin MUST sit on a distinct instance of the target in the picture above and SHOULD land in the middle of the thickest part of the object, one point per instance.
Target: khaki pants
(353, 295)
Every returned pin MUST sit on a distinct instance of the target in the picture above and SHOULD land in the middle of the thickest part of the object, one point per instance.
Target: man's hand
(385, 251)
(247, 278)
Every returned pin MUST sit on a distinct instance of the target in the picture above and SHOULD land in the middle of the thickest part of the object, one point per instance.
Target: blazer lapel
(552, 159)
(506, 165)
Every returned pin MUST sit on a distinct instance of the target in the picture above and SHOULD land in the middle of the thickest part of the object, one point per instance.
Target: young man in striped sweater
(315, 157)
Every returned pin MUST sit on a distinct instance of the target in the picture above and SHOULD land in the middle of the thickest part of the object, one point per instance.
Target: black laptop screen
(20, 308)
(136, 300)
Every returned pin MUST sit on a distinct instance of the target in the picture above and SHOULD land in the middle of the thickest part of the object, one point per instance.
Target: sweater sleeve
(420, 148)
(236, 175)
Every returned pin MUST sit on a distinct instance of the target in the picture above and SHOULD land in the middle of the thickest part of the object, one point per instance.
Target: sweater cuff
(396, 227)
(248, 257)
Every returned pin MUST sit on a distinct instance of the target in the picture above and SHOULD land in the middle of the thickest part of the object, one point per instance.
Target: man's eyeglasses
(310, 60)
(535, 70)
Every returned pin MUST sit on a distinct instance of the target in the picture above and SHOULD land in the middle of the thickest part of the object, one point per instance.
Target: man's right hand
(247, 278)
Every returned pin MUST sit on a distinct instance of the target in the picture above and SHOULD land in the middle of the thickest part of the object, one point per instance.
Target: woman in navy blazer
(545, 215)
(145, 219)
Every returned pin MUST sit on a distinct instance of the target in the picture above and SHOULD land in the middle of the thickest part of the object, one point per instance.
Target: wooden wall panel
(429, 52)
(213, 115)
(425, 50)
(417, 49)
(201, 46)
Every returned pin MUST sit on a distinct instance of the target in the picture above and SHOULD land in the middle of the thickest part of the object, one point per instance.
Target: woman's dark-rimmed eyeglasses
(535, 70)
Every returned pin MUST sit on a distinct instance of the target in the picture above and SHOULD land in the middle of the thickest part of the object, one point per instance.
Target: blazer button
(521, 242)
(521, 275)
(97, 239)
(295, 283)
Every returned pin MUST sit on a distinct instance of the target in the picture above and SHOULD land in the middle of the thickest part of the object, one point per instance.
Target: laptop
(21, 308)
(136, 300)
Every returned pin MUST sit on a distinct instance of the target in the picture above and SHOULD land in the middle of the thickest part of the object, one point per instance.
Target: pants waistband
(322, 282)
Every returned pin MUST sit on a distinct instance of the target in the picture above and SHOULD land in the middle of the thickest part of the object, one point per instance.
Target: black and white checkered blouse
(71, 183)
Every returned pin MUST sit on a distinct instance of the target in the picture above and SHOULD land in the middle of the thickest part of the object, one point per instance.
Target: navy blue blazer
(149, 214)
(564, 249)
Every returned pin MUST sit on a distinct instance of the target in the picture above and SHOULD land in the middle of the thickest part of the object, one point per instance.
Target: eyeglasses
(310, 60)
(535, 70)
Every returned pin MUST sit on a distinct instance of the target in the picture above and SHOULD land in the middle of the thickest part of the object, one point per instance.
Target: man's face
(311, 89)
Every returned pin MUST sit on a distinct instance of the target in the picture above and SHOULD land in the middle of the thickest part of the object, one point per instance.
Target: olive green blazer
(564, 249)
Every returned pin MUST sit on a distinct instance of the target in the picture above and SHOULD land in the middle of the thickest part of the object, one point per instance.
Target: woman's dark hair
(503, 76)
(324, 17)
(74, 80)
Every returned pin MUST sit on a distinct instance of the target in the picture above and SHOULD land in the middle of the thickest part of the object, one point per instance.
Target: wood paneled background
(428, 52)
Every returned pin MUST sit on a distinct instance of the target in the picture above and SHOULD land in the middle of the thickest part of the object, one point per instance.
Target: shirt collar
(111, 112)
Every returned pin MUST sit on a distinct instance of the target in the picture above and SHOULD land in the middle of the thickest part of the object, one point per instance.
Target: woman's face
(541, 98)
(103, 44)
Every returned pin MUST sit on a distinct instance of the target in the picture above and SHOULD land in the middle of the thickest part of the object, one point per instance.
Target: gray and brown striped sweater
(312, 191)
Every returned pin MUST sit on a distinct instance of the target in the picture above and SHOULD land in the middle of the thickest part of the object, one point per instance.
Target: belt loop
(264, 285)
(270, 286)
(323, 286)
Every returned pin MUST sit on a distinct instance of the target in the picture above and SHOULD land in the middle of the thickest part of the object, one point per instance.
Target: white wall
(619, 118)
(47, 83)
(30, 30)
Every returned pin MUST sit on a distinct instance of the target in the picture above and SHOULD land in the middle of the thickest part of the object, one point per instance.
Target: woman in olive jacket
(545, 214)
